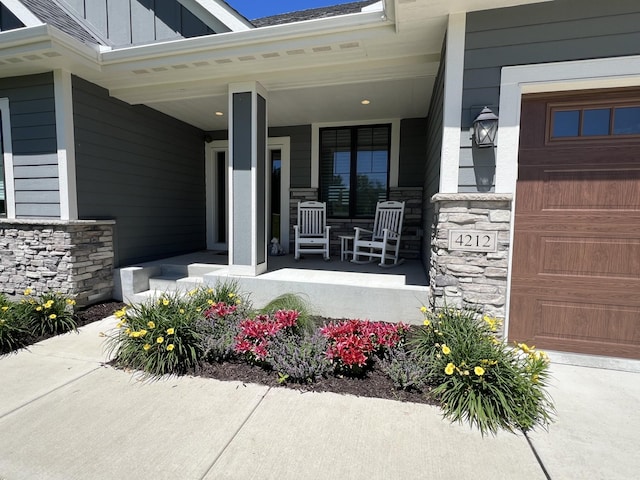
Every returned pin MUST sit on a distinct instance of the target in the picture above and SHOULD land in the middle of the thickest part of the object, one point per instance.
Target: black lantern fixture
(484, 129)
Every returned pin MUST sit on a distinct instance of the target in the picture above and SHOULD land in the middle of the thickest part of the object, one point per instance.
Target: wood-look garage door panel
(592, 189)
(575, 280)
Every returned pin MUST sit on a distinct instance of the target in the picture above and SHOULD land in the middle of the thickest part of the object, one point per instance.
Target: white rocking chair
(383, 241)
(312, 232)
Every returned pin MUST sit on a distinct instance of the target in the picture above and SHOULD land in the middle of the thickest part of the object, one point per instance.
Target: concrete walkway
(65, 415)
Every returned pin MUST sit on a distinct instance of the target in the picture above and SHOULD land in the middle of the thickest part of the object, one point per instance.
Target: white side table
(346, 246)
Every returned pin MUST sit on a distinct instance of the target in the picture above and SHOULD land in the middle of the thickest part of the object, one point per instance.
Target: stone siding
(466, 278)
(74, 258)
(411, 232)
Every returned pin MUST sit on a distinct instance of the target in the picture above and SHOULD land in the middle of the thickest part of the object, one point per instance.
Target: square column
(248, 179)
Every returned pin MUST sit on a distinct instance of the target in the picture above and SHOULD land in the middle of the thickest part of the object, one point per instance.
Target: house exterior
(138, 130)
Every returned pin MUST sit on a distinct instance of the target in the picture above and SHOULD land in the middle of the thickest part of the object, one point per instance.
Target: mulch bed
(373, 384)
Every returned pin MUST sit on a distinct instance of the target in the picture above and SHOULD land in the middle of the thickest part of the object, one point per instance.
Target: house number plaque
(473, 240)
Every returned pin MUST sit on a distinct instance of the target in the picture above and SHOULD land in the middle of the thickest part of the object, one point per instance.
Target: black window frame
(353, 177)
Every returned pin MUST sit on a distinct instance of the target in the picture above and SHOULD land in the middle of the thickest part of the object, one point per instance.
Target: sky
(263, 8)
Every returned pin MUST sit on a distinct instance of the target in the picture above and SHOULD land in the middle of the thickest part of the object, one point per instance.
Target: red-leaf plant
(351, 342)
(220, 309)
(255, 334)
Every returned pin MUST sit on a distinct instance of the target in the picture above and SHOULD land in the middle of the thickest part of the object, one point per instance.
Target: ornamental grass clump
(158, 337)
(479, 379)
(306, 322)
(351, 343)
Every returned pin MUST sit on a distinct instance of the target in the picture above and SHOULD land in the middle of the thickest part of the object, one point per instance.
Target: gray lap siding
(141, 168)
(34, 144)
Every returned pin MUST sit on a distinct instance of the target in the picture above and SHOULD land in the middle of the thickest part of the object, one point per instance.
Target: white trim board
(452, 108)
(9, 185)
(549, 77)
(66, 145)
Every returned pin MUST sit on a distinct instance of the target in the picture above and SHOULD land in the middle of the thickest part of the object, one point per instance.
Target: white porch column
(248, 179)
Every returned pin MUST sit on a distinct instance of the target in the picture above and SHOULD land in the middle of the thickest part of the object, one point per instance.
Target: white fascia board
(22, 13)
(261, 35)
(218, 16)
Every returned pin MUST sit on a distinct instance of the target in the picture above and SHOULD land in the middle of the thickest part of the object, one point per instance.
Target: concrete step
(165, 282)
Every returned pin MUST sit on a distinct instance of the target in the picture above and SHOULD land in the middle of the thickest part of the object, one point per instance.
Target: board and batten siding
(34, 144)
(413, 152)
(562, 30)
(139, 21)
(142, 168)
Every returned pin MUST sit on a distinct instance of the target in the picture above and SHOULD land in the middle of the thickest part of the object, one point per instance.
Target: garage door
(576, 260)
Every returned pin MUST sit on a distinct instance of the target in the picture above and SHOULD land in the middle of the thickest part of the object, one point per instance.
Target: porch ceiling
(314, 71)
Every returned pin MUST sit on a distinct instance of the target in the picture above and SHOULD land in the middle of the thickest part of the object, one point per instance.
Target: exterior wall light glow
(484, 128)
(365, 102)
(219, 114)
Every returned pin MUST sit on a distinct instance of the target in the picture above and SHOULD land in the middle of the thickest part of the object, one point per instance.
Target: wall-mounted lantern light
(484, 129)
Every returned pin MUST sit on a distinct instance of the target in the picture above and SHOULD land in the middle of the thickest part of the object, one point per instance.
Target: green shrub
(158, 337)
(478, 378)
(306, 322)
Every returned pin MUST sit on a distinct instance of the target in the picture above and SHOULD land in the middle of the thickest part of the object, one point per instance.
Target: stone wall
(74, 258)
(411, 232)
(470, 278)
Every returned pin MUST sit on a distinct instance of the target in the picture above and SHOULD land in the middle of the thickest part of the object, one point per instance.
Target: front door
(575, 282)
(217, 185)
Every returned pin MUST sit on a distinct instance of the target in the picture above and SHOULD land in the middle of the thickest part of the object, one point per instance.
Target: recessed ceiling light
(365, 102)
(219, 114)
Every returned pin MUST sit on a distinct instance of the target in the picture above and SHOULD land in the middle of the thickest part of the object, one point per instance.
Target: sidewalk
(64, 415)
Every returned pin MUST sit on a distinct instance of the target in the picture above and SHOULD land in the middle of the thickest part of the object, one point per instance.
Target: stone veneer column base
(74, 257)
(464, 278)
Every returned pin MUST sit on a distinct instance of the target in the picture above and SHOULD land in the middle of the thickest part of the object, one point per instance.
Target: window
(354, 169)
(594, 121)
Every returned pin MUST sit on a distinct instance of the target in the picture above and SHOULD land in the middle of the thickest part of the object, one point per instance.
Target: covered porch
(335, 288)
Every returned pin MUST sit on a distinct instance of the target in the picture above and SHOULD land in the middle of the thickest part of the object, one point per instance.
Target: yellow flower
(525, 348)
(49, 304)
(53, 316)
(121, 313)
(238, 302)
(170, 331)
(170, 347)
(27, 291)
(192, 292)
(198, 309)
(38, 308)
(210, 302)
(146, 347)
(426, 322)
(151, 325)
(478, 371)
(446, 350)
(423, 309)
(449, 369)
(160, 340)
(70, 301)
(210, 290)
(5, 308)
(231, 295)
(143, 332)
(134, 334)
(127, 331)
(182, 310)
(165, 302)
